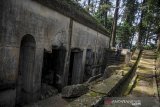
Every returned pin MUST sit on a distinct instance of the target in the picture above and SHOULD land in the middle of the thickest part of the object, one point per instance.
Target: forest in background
(132, 22)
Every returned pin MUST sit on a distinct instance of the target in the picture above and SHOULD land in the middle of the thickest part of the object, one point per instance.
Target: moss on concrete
(130, 86)
(105, 87)
(97, 92)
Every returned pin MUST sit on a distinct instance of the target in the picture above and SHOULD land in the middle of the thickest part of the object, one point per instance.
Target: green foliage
(126, 30)
(104, 7)
(149, 47)
(101, 15)
(137, 17)
(124, 33)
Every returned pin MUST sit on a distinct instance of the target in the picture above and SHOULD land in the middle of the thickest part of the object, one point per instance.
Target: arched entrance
(26, 67)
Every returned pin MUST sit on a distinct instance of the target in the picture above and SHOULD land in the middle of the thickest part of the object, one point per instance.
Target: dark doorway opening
(70, 68)
(75, 70)
(26, 68)
(52, 71)
(88, 65)
(47, 74)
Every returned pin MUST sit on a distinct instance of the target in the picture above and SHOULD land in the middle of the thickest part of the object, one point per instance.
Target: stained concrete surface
(49, 28)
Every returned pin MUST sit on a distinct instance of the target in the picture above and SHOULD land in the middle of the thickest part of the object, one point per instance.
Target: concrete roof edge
(74, 11)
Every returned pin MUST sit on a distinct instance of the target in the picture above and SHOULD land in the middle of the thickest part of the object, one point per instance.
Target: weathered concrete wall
(49, 28)
(85, 38)
(21, 17)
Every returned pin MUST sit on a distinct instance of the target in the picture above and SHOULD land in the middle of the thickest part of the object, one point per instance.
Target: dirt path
(145, 86)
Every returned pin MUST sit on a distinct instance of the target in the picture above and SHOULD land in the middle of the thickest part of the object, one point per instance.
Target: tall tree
(127, 28)
(88, 5)
(140, 26)
(105, 13)
(115, 23)
(103, 7)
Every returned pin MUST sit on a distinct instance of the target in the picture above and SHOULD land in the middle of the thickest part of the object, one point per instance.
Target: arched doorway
(26, 67)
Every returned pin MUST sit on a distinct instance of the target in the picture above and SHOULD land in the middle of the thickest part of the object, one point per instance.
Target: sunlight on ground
(144, 71)
(144, 82)
(145, 62)
(143, 91)
(146, 66)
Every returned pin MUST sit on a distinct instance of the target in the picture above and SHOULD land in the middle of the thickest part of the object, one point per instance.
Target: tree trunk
(147, 36)
(100, 3)
(140, 33)
(131, 41)
(158, 42)
(105, 15)
(115, 24)
(89, 2)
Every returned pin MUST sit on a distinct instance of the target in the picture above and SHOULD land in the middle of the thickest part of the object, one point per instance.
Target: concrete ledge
(74, 90)
(93, 78)
(107, 87)
(130, 86)
(97, 92)
(110, 70)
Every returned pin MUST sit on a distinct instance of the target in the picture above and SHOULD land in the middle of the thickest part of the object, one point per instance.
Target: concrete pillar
(83, 64)
(127, 57)
(37, 74)
(68, 53)
(77, 68)
(66, 69)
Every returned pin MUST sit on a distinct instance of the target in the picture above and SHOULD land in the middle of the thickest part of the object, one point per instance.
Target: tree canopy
(128, 21)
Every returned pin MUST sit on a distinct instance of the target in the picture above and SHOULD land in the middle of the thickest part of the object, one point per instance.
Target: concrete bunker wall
(21, 17)
(50, 30)
(93, 45)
